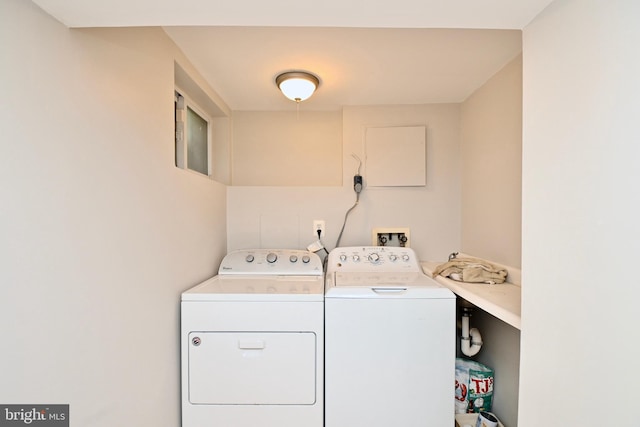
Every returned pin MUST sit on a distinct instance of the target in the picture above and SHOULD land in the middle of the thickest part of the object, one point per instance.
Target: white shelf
(500, 300)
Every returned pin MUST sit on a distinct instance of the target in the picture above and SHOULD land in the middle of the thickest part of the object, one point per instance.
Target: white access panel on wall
(396, 156)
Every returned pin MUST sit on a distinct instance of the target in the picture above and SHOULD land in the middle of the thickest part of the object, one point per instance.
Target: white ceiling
(369, 52)
(356, 66)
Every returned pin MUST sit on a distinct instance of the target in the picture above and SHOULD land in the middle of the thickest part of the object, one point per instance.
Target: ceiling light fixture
(297, 85)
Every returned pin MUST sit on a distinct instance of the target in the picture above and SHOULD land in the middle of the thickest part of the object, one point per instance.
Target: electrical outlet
(318, 224)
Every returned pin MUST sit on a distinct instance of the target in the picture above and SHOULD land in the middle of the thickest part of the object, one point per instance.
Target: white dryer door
(252, 368)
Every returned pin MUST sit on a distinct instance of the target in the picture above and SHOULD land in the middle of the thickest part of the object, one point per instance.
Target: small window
(193, 136)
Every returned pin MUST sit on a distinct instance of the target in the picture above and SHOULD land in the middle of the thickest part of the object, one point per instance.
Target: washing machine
(252, 342)
(389, 341)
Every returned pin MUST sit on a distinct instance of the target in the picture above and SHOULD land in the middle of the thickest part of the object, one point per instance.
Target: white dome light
(297, 85)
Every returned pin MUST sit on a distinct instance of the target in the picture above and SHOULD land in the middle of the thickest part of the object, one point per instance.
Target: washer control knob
(393, 257)
(306, 259)
(343, 257)
(356, 258)
(249, 258)
(374, 257)
(271, 257)
(405, 257)
(293, 258)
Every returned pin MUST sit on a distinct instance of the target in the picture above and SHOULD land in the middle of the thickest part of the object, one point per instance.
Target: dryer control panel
(373, 259)
(275, 262)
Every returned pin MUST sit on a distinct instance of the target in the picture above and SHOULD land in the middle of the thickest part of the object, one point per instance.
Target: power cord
(317, 246)
(357, 187)
(320, 240)
(346, 215)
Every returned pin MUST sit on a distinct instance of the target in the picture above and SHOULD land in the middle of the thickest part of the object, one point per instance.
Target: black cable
(346, 215)
(319, 231)
(357, 187)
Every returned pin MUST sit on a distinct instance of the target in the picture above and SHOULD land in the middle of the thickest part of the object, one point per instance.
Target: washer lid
(384, 285)
(382, 278)
(257, 288)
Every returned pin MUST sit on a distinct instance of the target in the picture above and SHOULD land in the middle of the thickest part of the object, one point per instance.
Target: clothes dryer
(389, 341)
(252, 342)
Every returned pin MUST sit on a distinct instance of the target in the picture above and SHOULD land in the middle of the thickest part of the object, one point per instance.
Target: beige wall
(287, 148)
(581, 205)
(283, 216)
(491, 146)
(99, 231)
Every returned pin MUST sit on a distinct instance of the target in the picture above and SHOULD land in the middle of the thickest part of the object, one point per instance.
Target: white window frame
(181, 132)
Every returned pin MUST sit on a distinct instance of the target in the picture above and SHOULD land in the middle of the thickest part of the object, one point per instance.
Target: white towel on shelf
(473, 270)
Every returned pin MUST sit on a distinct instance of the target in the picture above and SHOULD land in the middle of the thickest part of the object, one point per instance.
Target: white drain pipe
(470, 340)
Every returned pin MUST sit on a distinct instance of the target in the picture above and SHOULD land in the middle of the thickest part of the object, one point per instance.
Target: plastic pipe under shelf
(471, 340)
